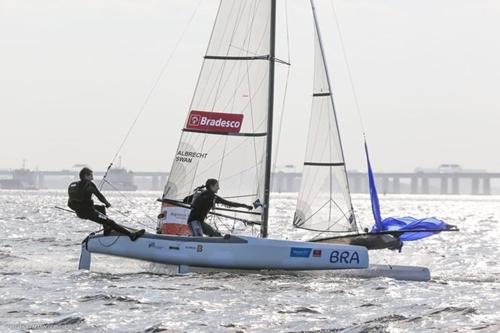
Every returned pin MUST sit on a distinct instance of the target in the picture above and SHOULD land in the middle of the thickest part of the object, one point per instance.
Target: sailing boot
(134, 235)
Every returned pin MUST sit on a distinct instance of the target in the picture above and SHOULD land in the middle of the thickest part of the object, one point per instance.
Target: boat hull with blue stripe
(233, 252)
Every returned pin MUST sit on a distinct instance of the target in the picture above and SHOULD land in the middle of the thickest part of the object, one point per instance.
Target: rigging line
(108, 245)
(227, 209)
(129, 200)
(315, 175)
(348, 66)
(283, 102)
(250, 101)
(65, 209)
(211, 68)
(246, 40)
(251, 65)
(238, 84)
(332, 158)
(320, 233)
(354, 92)
(222, 71)
(361, 226)
(215, 218)
(316, 131)
(252, 118)
(129, 217)
(225, 225)
(240, 196)
(242, 172)
(150, 93)
(316, 212)
(283, 107)
(395, 233)
(211, 212)
(341, 210)
(232, 100)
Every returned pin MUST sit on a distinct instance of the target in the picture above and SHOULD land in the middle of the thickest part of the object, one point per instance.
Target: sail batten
(223, 133)
(263, 57)
(322, 94)
(324, 201)
(324, 164)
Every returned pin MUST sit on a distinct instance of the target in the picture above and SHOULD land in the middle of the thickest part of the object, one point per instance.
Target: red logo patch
(316, 253)
(214, 121)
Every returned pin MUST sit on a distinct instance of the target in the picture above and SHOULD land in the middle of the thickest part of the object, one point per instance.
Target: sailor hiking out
(80, 200)
(202, 203)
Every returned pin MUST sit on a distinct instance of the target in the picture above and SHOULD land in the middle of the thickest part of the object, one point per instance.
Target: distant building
(119, 179)
(22, 179)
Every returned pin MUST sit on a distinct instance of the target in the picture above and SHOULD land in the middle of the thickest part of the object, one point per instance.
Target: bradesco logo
(214, 121)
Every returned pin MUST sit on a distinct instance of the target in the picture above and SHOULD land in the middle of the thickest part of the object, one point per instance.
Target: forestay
(324, 202)
(224, 135)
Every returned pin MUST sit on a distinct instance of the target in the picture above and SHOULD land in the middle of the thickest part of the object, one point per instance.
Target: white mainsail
(324, 201)
(224, 136)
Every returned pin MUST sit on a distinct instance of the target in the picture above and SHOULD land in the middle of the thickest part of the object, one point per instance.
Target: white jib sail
(224, 136)
(324, 201)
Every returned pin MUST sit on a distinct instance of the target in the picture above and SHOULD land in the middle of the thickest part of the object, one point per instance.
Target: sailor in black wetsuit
(80, 200)
(202, 204)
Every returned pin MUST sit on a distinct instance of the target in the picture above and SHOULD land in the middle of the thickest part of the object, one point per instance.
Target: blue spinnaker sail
(422, 227)
(373, 194)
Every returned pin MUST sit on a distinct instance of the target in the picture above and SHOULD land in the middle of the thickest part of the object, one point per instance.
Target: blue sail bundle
(408, 228)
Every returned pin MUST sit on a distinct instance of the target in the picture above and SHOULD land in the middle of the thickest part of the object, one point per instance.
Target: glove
(248, 207)
(107, 204)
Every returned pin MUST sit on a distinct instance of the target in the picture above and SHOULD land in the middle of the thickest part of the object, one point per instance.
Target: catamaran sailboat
(228, 135)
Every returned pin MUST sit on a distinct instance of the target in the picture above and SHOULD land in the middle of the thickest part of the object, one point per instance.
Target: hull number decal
(344, 257)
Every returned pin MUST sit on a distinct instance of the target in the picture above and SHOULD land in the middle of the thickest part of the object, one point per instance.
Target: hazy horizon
(75, 73)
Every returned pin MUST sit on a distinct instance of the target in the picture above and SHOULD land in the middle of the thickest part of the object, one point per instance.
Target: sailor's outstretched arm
(221, 201)
(99, 195)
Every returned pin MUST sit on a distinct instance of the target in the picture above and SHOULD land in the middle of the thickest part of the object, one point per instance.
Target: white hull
(396, 272)
(247, 253)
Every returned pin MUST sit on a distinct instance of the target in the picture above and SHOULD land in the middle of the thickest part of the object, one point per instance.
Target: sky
(75, 73)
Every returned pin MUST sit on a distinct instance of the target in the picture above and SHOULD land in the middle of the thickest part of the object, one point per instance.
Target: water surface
(41, 289)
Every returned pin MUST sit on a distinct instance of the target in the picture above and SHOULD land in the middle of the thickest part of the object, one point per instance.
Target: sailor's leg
(133, 235)
(112, 225)
(209, 231)
(108, 223)
(196, 229)
(102, 209)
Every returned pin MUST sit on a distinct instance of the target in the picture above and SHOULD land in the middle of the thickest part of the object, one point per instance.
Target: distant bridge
(406, 182)
(387, 182)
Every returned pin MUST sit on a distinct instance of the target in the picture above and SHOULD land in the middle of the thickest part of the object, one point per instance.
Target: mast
(320, 41)
(269, 141)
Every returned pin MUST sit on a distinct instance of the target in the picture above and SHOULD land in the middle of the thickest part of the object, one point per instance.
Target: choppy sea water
(41, 289)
